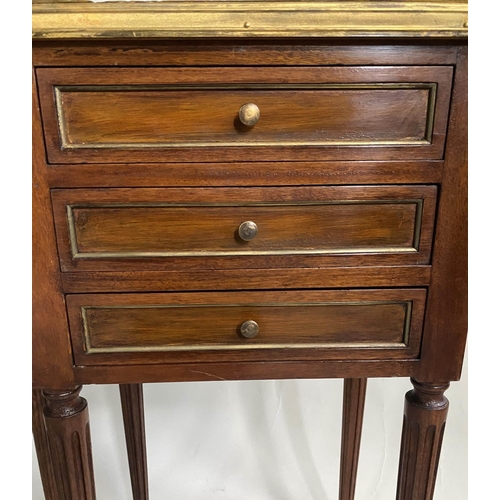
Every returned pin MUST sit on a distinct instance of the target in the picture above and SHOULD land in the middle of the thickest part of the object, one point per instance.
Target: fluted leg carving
(425, 413)
(135, 436)
(68, 432)
(42, 447)
(352, 422)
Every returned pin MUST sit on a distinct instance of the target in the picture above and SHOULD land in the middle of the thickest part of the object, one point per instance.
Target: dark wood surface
(141, 229)
(352, 423)
(357, 56)
(245, 173)
(213, 229)
(45, 463)
(424, 421)
(187, 327)
(93, 178)
(370, 56)
(446, 319)
(51, 349)
(114, 116)
(127, 124)
(231, 279)
(132, 402)
(256, 52)
(260, 370)
(68, 432)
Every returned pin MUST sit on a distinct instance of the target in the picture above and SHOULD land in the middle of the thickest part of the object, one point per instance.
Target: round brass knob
(249, 329)
(249, 114)
(248, 230)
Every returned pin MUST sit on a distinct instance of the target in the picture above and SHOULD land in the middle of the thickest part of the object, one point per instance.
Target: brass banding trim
(73, 241)
(216, 347)
(408, 311)
(247, 143)
(431, 106)
(61, 119)
(418, 224)
(121, 255)
(249, 19)
(76, 254)
(254, 345)
(425, 141)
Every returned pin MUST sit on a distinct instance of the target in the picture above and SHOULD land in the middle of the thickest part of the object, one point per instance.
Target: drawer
(138, 229)
(213, 326)
(108, 115)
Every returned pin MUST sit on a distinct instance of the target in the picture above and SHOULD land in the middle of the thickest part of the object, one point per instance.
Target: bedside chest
(243, 191)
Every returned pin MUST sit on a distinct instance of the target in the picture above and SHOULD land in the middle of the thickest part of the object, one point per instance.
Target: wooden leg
(42, 447)
(135, 436)
(425, 413)
(352, 422)
(67, 424)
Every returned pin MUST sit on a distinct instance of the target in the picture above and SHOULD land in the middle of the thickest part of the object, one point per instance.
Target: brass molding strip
(236, 253)
(407, 327)
(76, 254)
(249, 19)
(251, 346)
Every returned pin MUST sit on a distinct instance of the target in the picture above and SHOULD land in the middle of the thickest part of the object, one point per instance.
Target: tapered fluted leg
(42, 447)
(424, 421)
(352, 422)
(67, 424)
(135, 436)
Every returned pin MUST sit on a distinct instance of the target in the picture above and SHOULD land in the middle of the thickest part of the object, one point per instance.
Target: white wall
(270, 440)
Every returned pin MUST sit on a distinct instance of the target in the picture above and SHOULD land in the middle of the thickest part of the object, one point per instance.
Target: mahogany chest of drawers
(247, 208)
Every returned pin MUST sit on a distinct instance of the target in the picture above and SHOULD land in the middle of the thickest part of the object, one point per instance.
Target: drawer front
(147, 115)
(350, 324)
(103, 229)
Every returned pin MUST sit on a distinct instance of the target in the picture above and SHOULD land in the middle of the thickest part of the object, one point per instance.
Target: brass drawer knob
(249, 329)
(249, 114)
(248, 230)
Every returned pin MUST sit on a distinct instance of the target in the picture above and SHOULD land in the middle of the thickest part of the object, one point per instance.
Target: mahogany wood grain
(253, 52)
(424, 421)
(267, 370)
(51, 349)
(254, 279)
(446, 319)
(188, 327)
(244, 174)
(352, 423)
(67, 422)
(213, 229)
(141, 229)
(117, 117)
(43, 454)
(132, 402)
(107, 124)
(433, 278)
